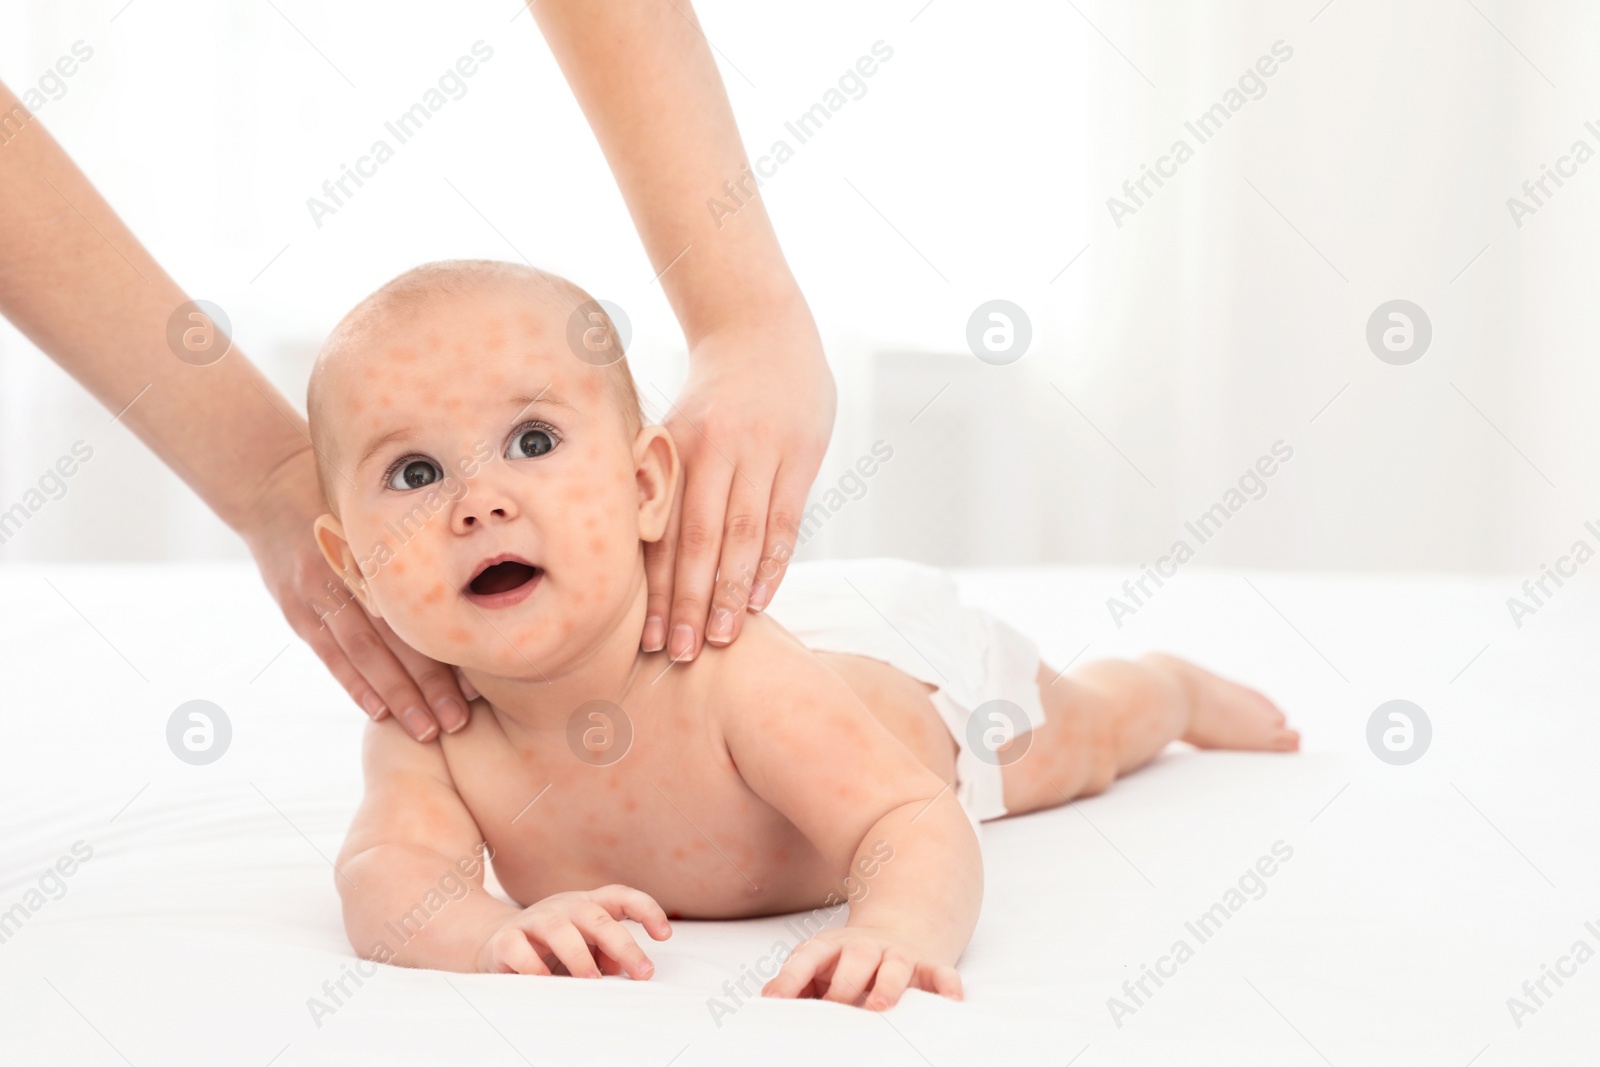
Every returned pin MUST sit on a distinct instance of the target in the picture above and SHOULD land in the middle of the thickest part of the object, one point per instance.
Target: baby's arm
(806, 744)
(411, 878)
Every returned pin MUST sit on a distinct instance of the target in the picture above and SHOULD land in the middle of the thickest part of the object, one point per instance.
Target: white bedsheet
(1417, 900)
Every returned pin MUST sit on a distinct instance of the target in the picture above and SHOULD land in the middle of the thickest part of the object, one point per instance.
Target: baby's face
(488, 487)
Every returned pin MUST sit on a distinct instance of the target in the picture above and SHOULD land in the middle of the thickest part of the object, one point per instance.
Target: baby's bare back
(671, 815)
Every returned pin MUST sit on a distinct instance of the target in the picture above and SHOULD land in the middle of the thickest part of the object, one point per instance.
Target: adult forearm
(82, 288)
(931, 889)
(644, 75)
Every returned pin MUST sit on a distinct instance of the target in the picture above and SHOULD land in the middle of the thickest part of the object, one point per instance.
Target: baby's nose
(483, 504)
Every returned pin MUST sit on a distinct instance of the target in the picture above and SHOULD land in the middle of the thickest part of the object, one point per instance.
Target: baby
(491, 486)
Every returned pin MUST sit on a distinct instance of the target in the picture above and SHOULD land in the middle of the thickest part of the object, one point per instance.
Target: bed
(155, 911)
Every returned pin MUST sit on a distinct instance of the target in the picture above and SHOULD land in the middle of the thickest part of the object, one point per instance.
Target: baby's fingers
(894, 974)
(613, 940)
(941, 980)
(857, 964)
(625, 902)
(799, 970)
(563, 939)
(512, 954)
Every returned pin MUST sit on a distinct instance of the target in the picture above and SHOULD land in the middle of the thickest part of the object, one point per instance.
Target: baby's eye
(414, 474)
(529, 442)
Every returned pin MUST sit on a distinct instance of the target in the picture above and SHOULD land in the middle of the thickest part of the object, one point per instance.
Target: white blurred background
(1168, 353)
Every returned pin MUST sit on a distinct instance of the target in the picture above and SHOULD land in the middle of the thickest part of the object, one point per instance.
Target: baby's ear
(336, 550)
(655, 459)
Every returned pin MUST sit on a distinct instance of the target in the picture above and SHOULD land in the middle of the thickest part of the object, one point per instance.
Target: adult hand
(381, 672)
(751, 426)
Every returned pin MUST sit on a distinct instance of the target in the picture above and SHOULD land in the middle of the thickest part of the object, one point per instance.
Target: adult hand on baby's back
(751, 426)
(381, 672)
(855, 962)
(581, 932)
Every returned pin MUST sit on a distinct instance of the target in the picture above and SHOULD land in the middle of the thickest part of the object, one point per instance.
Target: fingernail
(646, 969)
(721, 628)
(759, 594)
(655, 634)
(418, 724)
(451, 713)
(373, 705)
(682, 640)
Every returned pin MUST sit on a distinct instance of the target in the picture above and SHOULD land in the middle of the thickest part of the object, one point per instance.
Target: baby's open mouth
(502, 576)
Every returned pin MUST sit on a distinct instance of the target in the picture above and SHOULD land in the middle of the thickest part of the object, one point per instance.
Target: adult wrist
(753, 312)
(287, 492)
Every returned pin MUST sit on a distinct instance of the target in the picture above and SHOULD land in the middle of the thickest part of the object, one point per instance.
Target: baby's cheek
(526, 637)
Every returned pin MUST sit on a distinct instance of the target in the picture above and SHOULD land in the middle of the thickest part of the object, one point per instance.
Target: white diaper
(910, 616)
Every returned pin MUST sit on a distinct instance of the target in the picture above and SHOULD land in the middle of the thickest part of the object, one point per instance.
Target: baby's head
(490, 490)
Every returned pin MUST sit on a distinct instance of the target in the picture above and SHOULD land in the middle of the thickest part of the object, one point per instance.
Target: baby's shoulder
(767, 666)
(388, 751)
(763, 645)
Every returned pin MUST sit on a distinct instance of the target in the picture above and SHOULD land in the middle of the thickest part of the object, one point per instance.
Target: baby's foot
(1224, 714)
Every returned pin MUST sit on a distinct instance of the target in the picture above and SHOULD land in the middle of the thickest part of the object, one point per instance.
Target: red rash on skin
(434, 595)
(597, 545)
(458, 634)
(630, 805)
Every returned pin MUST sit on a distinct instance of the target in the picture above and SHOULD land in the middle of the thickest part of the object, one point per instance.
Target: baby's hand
(853, 962)
(579, 932)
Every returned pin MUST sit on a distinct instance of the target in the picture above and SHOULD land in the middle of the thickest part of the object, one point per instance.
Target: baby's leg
(1108, 717)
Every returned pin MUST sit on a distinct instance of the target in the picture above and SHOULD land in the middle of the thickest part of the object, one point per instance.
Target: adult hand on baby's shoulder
(382, 674)
(862, 965)
(581, 932)
(751, 426)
